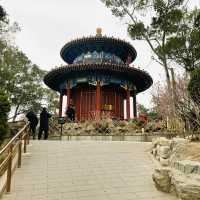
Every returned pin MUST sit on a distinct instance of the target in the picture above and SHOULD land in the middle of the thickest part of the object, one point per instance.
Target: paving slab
(85, 170)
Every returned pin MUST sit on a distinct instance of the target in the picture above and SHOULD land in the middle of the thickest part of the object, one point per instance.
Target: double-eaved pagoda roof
(120, 48)
(141, 79)
(102, 57)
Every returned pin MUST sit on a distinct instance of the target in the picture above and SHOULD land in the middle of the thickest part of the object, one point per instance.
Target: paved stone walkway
(85, 170)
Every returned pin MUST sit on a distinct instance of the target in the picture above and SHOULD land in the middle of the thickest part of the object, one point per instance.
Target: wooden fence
(11, 158)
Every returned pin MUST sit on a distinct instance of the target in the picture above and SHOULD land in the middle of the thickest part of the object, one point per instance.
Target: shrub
(4, 110)
(138, 123)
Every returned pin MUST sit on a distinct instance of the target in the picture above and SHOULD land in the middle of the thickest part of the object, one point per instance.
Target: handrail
(13, 139)
(12, 157)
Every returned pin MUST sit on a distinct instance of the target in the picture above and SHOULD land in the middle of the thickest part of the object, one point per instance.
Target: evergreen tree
(153, 21)
(184, 47)
(4, 110)
(19, 77)
(194, 86)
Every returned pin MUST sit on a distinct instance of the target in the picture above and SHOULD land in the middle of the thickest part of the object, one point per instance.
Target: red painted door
(87, 104)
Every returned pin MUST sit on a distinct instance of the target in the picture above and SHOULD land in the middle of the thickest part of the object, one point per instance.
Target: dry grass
(192, 151)
(189, 151)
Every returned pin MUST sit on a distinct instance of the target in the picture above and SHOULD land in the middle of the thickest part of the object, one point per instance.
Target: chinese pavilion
(98, 77)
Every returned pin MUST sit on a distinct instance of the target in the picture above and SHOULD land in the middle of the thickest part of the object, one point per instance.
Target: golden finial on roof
(99, 32)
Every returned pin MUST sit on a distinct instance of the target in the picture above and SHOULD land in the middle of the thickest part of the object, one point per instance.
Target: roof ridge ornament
(99, 32)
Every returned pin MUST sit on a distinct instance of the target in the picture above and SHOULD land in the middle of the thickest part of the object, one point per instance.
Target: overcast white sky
(46, 25)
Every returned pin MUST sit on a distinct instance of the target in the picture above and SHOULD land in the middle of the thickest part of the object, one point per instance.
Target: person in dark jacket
(71, 112)
(33, 121)
(44, 124)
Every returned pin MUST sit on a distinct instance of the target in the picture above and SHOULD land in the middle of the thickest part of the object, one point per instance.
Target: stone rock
(89, 128)
(157, 157)
(155, 142)
(122, 129)
(188, 166)
(161, 141)
(164, 162)
(164, 151)
(162, 179)
(183, 176)
(177, 141)
(164, 141)
(178, 153)
(187, 187)
(154, 151)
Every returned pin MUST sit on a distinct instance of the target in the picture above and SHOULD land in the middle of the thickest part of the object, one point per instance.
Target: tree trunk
(174, 97)
(170, 91)
(168, 79)
(16, 113)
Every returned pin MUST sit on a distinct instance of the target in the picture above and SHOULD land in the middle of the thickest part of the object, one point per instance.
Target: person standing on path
(70, 112)
(44, 124)
(33, 121)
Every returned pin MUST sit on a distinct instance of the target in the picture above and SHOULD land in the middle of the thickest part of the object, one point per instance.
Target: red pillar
(98, 99)
(134, 105)
(118, 105)
(68, 93)
(78, 104)
(128, 104)
(60, 104)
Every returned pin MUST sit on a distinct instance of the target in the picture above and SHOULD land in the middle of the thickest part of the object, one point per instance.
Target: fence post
(25, 140)
(28, 135)
(9, 172)
(20, 152)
